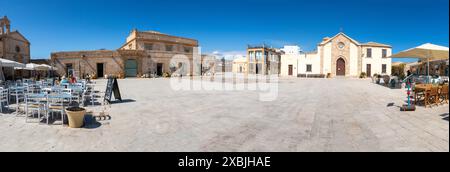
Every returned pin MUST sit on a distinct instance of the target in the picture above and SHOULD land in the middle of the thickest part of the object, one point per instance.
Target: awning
(32, 66)
(426, 52)
(10, 63)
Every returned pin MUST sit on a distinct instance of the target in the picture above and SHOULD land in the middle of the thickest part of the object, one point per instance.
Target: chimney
(326, 39)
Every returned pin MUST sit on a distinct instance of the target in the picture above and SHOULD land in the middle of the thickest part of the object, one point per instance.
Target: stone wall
(85, 62)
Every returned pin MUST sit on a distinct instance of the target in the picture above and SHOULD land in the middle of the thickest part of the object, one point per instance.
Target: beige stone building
(340, 56)
(240, 65)
(262, 59)
(144, 52)
(13, 46)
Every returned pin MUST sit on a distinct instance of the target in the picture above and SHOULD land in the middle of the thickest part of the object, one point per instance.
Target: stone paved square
(309, 115)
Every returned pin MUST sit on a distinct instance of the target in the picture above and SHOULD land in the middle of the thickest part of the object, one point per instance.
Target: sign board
(112, 87)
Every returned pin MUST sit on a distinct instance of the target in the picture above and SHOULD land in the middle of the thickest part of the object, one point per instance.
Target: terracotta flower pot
(76, 116)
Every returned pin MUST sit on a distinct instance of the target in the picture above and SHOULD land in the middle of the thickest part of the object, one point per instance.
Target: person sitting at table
(64, 80)
(73, 80)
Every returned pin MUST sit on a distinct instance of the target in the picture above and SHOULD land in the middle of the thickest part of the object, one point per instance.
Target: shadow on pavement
(123, 101)
(445, 116)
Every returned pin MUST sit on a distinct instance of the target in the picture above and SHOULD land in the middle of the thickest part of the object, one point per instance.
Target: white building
(340, 56)
(291, 49)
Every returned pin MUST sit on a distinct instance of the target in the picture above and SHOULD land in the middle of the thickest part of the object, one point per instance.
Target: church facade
(13, 46)
(339, 56)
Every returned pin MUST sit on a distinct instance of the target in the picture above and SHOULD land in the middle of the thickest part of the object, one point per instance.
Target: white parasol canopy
(36, 67)
(10, 63)
(49, 67)
(425, 52)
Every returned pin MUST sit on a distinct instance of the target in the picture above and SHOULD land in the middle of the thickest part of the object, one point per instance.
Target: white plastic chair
(4, 100)
(55, 105)
(33, 104)
(19, 95)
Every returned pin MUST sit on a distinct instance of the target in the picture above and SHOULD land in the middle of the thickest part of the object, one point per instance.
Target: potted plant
(94, 76)
(166, 75)
(363, 75)
(376, 78)
(75, 116)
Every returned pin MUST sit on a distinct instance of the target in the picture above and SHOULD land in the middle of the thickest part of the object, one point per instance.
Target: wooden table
(420, 89)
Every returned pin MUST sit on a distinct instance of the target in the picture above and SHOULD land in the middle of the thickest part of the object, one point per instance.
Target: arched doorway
(340, 67)
(131, 68)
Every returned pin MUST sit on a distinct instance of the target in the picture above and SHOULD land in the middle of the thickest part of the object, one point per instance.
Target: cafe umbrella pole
(409, 106)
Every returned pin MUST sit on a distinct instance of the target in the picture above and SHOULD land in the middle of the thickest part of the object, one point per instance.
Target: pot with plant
(75, 116)
(363, 75)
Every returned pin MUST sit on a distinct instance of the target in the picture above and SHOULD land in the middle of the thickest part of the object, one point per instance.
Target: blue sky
(226, 26)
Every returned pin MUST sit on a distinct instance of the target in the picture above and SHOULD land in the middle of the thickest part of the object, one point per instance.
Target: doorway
(131, 67)
(159, 69)
(69, 69)
(291, 70)
(369, 70)
(340, 67)
(100, 70)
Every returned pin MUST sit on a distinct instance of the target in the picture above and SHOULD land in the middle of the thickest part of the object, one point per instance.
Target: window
(258, 55)
(309, 68)
(251, 56)
(369, 52)
(148, 46)
(383, 68)
(17, 49)
(169, 47)
(384, 53)
(341, 45)
(187, 49)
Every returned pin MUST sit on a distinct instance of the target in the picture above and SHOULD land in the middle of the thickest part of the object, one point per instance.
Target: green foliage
(399, 71)
(166, 75)
(363, 75)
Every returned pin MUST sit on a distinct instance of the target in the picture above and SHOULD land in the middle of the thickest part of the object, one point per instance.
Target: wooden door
(291, 71)
(340, 67)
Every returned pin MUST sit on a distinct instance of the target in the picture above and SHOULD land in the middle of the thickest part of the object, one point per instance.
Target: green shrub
(363, 75)
(166, 75)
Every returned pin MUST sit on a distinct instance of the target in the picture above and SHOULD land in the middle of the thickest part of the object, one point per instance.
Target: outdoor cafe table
(44, 97)
(50, 96)
(422, 89)
(76, 89)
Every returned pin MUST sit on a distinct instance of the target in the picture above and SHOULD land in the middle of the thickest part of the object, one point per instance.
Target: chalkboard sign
(112, 86)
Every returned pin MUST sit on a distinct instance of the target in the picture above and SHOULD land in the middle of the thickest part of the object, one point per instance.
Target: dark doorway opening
(159, 69)
(69, 69)
(100, 70)
(291, 70)
(369, 70)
